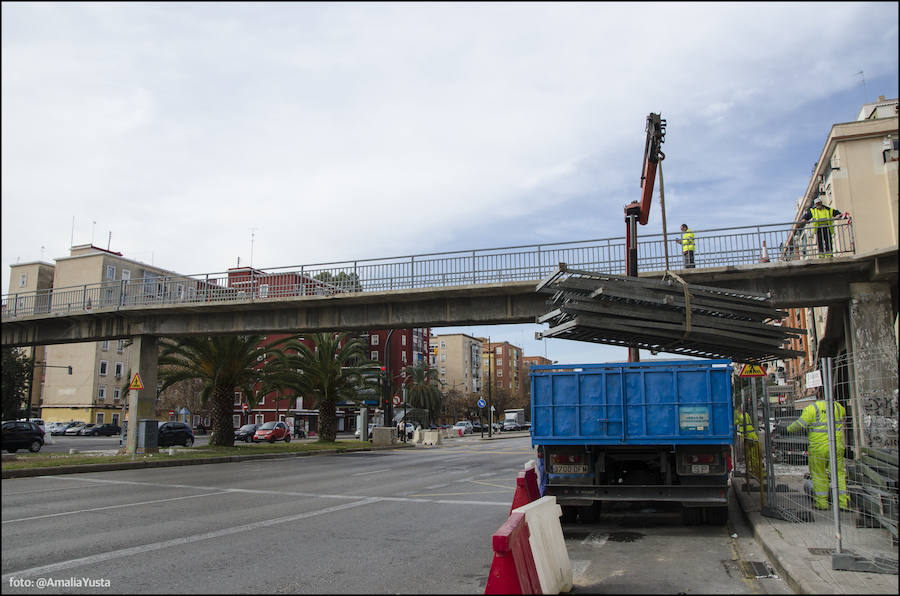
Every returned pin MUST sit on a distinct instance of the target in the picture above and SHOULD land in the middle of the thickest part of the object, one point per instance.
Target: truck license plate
(570, 468)
(700, 469)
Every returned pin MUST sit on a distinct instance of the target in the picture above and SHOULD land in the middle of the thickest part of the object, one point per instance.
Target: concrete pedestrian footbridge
(483, 287)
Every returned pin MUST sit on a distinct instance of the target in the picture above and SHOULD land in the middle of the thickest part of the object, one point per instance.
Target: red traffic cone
(765, 253)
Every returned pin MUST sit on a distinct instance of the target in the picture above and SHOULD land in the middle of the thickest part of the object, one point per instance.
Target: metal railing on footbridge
(713, 248)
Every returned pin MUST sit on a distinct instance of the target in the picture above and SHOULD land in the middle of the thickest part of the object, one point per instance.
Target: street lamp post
(43, 364)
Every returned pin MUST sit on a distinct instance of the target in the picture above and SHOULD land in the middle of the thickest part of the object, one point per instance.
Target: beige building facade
(95, 390)
(457, 358)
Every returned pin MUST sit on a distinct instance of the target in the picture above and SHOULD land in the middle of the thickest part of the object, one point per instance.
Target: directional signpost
(481, 404)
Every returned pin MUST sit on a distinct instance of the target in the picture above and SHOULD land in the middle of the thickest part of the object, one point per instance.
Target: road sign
(481, 402)
(814, 379)
(245, 407)
(752, 370)
(136, 383)
(396, 400)
(493, 409)
(171, 412)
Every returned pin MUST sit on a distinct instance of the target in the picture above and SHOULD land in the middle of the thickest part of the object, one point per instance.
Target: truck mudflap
(705, 495)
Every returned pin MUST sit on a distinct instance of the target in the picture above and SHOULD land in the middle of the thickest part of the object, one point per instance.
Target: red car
(271, 432)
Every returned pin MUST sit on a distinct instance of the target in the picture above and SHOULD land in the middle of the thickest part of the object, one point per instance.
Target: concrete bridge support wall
(873, 343)
(142, 403)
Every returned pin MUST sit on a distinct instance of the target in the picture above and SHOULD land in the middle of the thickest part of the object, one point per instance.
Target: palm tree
(422, 388)
(223, 364)
(335, 369)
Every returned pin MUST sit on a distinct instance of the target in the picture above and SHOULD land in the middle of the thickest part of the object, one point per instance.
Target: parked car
(271, 432)
(371, 430)
(465, 425)
(74, 429)
(106, 430)
(245, 433)
(477, 427)
(85, 430)
(21, 434)
(175, 433)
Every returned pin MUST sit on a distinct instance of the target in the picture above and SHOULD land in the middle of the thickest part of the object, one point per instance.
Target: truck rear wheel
(715, 516)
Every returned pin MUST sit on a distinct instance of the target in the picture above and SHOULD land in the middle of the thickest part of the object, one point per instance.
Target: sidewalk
(788, 544)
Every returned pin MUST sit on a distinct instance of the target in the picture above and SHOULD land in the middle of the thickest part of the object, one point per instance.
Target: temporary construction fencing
(830, 437)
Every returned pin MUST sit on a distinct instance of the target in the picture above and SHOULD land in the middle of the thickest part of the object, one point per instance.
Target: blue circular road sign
(481, 402)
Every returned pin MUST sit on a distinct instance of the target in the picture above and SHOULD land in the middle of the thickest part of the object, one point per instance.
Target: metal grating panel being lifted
(665, 316)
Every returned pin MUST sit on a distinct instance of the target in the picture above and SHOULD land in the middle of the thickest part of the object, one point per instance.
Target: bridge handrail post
(252, 286)
(302, 282)
(474, 276)
(412, 272)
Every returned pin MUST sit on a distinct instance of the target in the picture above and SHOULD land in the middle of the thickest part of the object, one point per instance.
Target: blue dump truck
(643, 431)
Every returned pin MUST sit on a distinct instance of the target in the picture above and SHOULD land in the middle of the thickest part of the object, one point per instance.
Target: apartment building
(457, 358)
(857, 174)
(25, 278)
(94, 391)
(504, 364)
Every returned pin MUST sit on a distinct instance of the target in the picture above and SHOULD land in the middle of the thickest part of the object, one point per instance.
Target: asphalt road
(62, 444)
(393, 521)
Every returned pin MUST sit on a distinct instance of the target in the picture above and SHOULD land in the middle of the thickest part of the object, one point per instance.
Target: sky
(191, 135)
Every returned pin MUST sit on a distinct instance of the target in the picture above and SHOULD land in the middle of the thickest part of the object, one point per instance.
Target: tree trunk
(222, 432)
(327, 421)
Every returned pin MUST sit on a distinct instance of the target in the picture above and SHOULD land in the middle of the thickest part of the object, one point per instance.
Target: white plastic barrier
(417, 436)
(431, 437)
(548, 547)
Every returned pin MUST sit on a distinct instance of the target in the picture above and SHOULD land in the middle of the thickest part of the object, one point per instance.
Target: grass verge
(50, 460)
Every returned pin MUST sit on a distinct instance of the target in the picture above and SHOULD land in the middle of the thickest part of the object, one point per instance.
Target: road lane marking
(371, 472)
(12, 521)
(140, 550)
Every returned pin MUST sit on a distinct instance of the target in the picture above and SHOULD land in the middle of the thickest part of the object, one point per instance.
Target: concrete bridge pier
(873, 343)
(142, 403)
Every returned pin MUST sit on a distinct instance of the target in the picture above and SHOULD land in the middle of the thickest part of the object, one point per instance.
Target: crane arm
(656, 135)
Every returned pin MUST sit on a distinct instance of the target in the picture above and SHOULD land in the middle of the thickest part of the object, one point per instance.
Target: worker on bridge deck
(687, 246)
(823, 222)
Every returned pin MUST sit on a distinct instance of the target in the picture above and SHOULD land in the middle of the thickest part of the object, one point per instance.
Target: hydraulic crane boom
(639, 211)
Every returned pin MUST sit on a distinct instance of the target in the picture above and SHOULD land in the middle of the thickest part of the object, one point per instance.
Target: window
(499, 361)
(500, 372)
(126, 274)
(443, 370)
(115, 419)
(403, 340)
(110, 272)
(263, 290)
(403, 357)
(236, 421)
(443, 358)
(499, 350)
(373, 354)
(23, 280)
(443, 344)
(101, 392)
(104, 367)
(262, 400)
(120, 346)
(118, 370)
(100, 418)
(104, 345)
(259, 419)
(117, 393)
(237, 398)
(373, 340)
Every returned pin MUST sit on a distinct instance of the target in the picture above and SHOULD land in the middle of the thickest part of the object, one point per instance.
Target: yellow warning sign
(752, 370)
(136, 382)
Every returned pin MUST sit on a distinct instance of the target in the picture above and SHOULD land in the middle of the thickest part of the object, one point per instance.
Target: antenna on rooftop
(93, 225)
(252, 237)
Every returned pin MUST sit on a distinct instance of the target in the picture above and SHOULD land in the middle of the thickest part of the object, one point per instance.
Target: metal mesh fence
(799, 452)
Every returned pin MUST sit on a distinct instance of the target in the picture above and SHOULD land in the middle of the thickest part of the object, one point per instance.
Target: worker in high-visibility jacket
(687, 246)
(823, 222)
(814, 418)
(744, 427)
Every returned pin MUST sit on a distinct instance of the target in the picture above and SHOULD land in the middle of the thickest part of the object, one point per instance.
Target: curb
(132, 465)
(766, 535)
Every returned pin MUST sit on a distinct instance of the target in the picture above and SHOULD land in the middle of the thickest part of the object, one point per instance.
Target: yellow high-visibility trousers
(819, 469)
